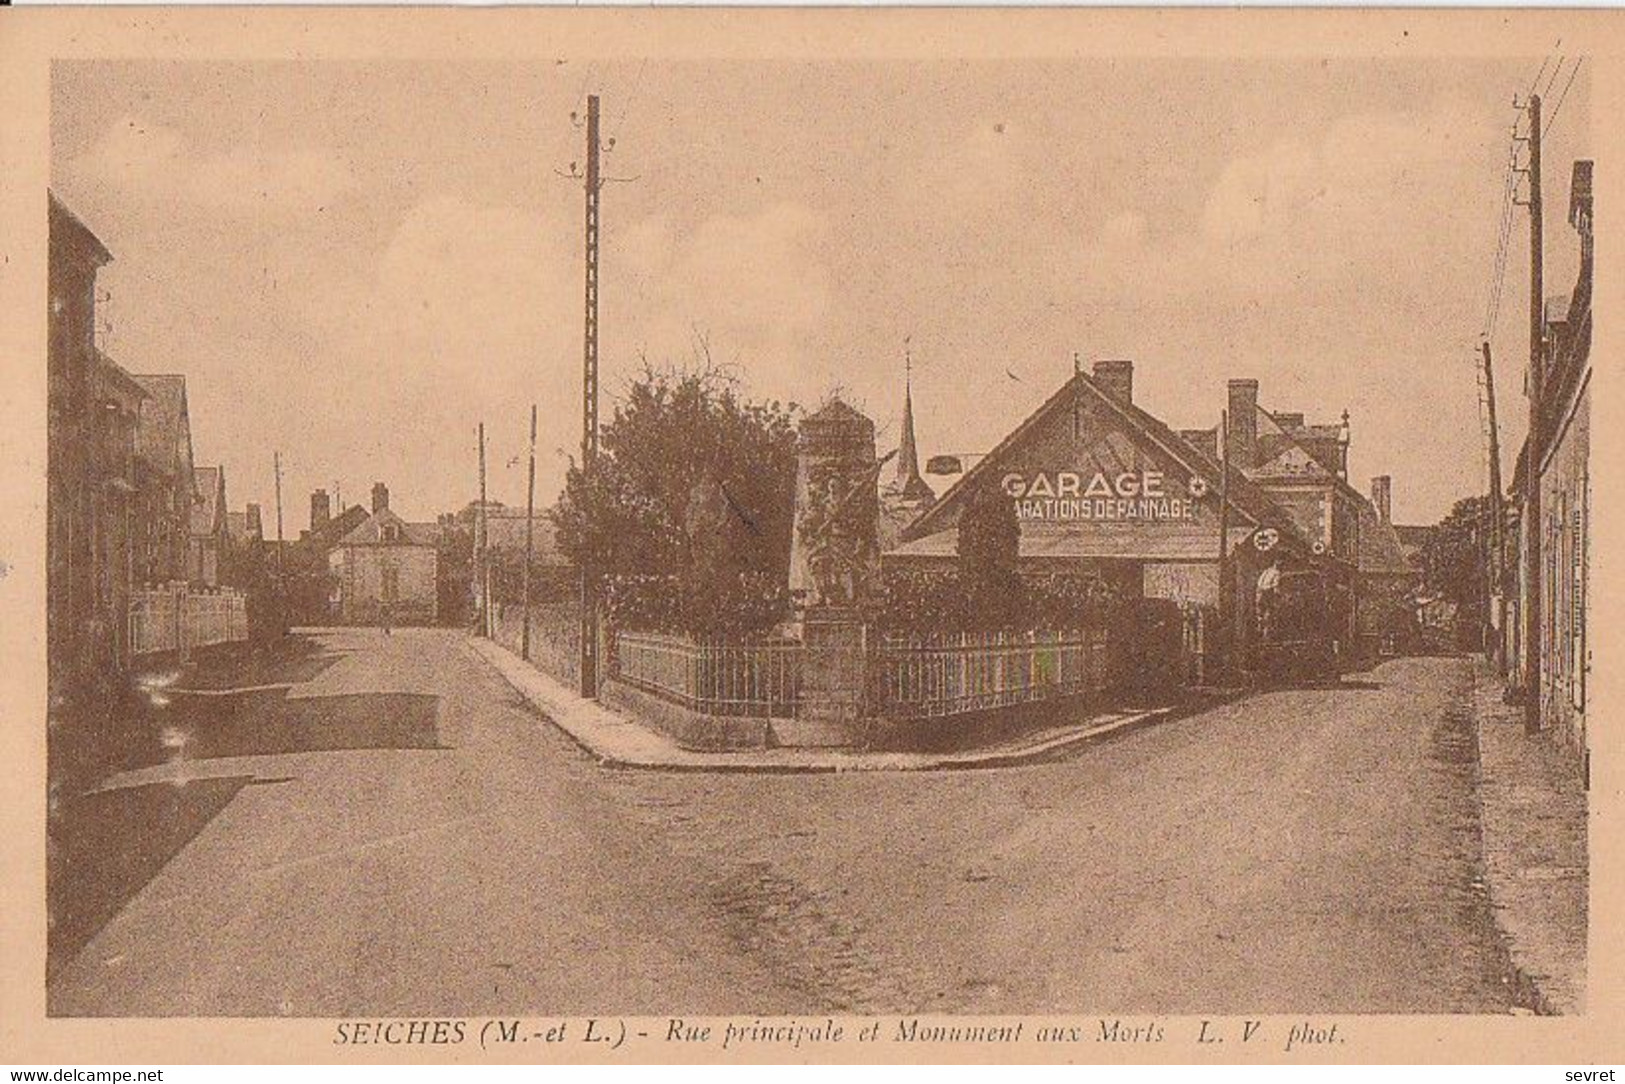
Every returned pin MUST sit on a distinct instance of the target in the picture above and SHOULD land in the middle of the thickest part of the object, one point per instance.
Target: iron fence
(951, 673)
(756, 679)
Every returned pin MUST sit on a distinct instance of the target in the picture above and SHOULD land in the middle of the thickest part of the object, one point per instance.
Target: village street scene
(1046, 537)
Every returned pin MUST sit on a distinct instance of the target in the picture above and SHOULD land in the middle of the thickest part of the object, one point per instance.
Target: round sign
(1197, 487)
(1265, 538)
(1318, 548)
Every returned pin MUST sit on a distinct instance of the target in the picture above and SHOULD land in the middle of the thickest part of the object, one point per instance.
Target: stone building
(1389, 578)
(92, 411)
(386, 569)
(1105, 490)
(1558, 454)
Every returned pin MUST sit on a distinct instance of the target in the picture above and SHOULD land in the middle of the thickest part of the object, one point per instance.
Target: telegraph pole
(281, 581)
(589, 398)
(276, 464)
(1531, 482)
(1497, 571)
(482, 584)
(1223, 443)
(530, 533)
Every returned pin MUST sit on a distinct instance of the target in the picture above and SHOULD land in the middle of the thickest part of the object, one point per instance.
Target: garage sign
(1075, 495)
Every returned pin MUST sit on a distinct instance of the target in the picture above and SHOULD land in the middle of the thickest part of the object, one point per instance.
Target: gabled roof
(1380, 550)
(1243, 495)
(164, 427)
(1289, 443)
(73, 229)
(373, 530)
(119, 379)
(505, 529)
(210, 484)
(330, 534)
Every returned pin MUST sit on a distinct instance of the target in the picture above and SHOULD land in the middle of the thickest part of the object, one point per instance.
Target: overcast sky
(357, 262)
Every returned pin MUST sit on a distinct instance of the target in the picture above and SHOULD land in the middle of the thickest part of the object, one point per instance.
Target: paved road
(411, 839)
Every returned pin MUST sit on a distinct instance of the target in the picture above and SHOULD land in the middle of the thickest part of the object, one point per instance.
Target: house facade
(1103, 489)
(385, 570)
(1390, 577)
(165, 480)
(93, 410)
(1561, 454)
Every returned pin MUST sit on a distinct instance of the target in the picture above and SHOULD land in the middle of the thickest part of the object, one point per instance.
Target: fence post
(181, 645)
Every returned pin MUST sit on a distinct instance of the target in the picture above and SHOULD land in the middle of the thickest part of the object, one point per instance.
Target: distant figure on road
(385, 615)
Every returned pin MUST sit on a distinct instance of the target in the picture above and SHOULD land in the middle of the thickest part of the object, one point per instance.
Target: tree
(989, 558)
(691, 500)
(1456, 556)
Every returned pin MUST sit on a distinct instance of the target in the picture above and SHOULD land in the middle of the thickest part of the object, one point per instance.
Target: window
(390, 587)
(1577, 628)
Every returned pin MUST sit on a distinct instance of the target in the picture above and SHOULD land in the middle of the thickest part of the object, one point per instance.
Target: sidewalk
(620, 742)
(1533, 812)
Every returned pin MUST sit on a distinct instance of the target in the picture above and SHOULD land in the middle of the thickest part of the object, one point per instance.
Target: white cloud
(157, 162)
(1356, 204)
(755, 282)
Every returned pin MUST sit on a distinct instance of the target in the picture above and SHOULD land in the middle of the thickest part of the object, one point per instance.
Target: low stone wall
(689, 729)
(975, 729)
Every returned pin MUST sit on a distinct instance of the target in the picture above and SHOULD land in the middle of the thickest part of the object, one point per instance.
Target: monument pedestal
(832, 682)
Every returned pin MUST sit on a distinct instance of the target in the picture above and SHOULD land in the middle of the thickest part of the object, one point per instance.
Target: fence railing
(948, 674)
(179, 618)
(908, 675)
(760, 680)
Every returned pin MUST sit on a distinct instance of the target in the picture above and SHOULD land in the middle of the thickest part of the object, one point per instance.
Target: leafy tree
(1456, 556)
(690, 506)
(989, 558)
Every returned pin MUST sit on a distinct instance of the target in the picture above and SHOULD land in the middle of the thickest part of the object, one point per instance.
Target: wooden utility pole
(589, 397)
(1531, 464)
(1223, 443)
(530, 534)
(281, 581)
(482, 594)
(1497, 561)
(276, 465)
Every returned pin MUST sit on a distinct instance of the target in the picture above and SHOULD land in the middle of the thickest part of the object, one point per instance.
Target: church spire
(909, 484)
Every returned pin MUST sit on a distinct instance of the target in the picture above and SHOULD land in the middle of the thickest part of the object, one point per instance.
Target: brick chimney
(380, 497)
(321, 510)
(252, 524)
(1116, 378)
(1382, 495)
(1241, 438)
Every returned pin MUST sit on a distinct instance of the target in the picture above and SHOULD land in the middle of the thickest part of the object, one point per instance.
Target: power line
(1492, 304)
(1551, 121)
(1542, 71)
(1557, 71)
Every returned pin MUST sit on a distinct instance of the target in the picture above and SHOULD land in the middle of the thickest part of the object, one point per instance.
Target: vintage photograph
(628, 534)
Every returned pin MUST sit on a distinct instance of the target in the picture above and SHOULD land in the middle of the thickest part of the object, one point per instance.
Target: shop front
(1216, 577)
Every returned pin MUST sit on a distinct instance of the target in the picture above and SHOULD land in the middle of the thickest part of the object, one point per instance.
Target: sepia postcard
(835, 536)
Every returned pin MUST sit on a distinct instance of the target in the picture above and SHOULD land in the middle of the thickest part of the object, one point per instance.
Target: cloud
(755, 283)
(1298, 214)
(157, 162)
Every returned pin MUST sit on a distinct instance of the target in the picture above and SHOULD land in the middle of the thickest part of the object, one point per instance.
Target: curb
(949, 762)
(683, 760)
(1526, 987)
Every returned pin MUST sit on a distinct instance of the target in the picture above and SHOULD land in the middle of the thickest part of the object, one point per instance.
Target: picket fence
(180, 618)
